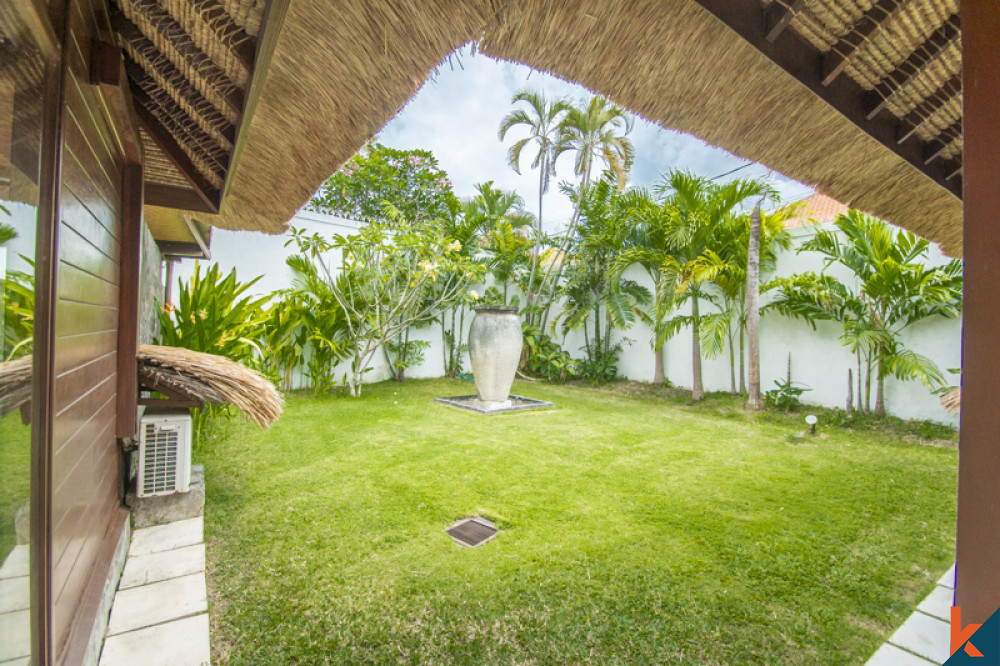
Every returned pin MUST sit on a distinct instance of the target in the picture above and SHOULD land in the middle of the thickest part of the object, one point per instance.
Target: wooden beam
(777, 17)
(132, 34)
(198, 238)
(934, 149)
(108, 73)
(836, 60)
(226, 131)
(126, 424)
(934, 103)
(977, 585)
(270, 28)
(803, 62)
(181, 249)
(917, 62)
(173, 152)
(168, 196)
(227, 31)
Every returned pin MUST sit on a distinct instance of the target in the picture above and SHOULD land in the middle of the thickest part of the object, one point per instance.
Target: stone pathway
(160, 613)
(15, 646)
(925, 637)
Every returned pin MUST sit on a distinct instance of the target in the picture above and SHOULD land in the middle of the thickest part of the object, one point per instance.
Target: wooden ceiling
(190, 65)
(893, 67)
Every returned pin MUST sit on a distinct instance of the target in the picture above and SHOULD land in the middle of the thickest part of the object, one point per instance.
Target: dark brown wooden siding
(85, 458)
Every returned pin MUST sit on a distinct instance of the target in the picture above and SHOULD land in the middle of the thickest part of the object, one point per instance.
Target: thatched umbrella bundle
(195, 376)
(210, 378)
(15, 384)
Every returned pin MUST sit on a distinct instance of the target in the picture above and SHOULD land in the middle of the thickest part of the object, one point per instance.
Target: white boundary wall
(819, 361)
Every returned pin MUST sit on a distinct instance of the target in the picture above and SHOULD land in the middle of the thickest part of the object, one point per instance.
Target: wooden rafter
(188, 134)
(239, 42)
(777, 17)
(918, 61)
(173, 152)
(942, 141)
(800, 60)
(934, 103)
(213, 76)
(225, 133)
(168, 196)
(836, 60)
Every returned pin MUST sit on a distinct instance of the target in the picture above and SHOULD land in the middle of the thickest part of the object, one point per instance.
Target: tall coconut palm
(895, 289)
(597, 131)
(694, 209)
(543, 120)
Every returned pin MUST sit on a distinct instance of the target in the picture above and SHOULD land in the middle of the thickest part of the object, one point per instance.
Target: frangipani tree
(393, 274)
(895, 289)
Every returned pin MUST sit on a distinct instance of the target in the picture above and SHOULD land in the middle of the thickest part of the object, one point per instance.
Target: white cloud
(458, 111)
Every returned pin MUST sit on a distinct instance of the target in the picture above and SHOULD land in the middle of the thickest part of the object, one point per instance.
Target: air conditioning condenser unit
(164, 454)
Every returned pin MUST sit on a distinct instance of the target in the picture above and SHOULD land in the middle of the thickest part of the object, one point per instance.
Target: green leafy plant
(393, 274)
(786, 395)
(18, 291)
(212, 315)
(543, 357)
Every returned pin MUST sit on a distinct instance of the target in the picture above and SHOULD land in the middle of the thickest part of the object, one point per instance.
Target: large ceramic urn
(495, 349)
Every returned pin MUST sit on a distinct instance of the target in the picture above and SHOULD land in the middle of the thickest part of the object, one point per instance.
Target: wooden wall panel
(85, 460)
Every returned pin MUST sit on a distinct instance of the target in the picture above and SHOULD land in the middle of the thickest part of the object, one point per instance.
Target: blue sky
(457, 112)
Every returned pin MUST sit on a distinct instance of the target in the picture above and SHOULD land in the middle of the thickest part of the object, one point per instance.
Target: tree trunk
(861, 407)
(529, 316)
(597, 332)
(743, 378)
(850, 394)
(868, 385)
(732, 363)
(658, 378)
(753, 308)
(879, 389)
(697, 389)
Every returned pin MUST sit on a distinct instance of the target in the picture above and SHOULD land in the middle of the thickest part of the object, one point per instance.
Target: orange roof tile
(816, 209)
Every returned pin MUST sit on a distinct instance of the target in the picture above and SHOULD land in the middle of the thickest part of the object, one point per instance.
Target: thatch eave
(336, 77)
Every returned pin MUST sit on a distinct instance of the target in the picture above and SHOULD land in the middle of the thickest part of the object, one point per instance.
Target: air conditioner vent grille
(164, 456)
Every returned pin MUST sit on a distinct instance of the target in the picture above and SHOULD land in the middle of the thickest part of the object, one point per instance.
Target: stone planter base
(514, 403)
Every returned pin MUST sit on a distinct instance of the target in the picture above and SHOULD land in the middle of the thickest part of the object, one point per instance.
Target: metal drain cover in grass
(472, 531)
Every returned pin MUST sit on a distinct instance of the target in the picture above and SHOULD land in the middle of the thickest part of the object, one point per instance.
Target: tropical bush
(213, 315)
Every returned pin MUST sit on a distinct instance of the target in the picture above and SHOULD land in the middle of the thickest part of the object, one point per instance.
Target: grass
(634, 529)
(15, 476)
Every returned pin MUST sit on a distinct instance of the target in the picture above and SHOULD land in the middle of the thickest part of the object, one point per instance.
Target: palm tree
(595, 291)
(492, 205)
(895, 289)
(598, 130)
(694, 208)
(543, 120)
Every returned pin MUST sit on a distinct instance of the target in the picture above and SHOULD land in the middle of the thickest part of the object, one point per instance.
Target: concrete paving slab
(179, 643)
(890, 655)
(155, 603)
(15, 629)
(948, 579)
(16, 564)
(14, 594)
(938, 603)
(167, 537)
(165, 565)
(23, 661)
(924, 635)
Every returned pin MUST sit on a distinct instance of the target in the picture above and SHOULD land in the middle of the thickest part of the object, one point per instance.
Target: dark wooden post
(128, 312)
(977, 588)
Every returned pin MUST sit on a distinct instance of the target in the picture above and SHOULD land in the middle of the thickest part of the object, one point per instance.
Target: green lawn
(635, 530)
(15, 476)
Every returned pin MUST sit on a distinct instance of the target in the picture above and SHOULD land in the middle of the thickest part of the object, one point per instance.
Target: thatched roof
(210, 378)
(15, 384)
(337, 74)
(199, 377)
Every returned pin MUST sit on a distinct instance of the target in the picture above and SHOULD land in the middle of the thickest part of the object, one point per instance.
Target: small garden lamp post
(812, 421)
